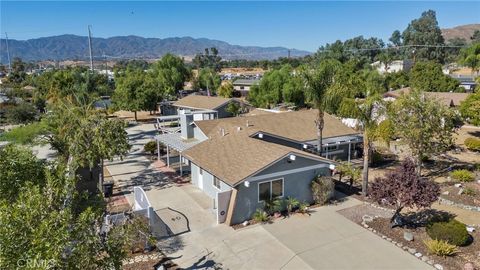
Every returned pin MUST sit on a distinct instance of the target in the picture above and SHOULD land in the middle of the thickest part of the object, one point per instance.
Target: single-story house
(240, 162)
(241, 87)
(449, 99)
(394, 66)
(211, 107)
(466, 81)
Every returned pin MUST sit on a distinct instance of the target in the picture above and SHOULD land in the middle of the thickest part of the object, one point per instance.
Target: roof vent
(260, 135)
(239, 128)
(248, 123)
(222, 131)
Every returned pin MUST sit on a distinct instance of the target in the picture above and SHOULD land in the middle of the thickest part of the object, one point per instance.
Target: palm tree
(361, 100)
(317, 82)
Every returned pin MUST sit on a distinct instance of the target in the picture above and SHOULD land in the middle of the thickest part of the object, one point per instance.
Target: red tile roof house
(240, 162)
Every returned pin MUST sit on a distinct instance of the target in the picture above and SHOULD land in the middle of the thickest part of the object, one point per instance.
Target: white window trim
(219, 183)
(270, 181)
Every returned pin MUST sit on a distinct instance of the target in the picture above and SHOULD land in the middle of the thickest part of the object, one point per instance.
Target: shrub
(322, 189)
(440, 247)
(291, 203)
(452, 231)
(377, 157)
(469, 191)
(462, 175)
(472, 144)
(260, 216)
(303, 208)
(150, 147)
(22, 113)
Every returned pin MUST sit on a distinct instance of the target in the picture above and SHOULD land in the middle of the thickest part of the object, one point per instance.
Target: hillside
(462, 31)
(76, 47)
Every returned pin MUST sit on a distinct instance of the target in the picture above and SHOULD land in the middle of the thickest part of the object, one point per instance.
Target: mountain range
(72, 47)
(69, 47)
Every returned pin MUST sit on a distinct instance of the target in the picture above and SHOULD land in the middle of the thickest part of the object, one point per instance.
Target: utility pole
(8, 54)
(90, 47)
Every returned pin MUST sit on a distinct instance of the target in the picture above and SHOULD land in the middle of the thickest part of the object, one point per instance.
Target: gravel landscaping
(378, 221)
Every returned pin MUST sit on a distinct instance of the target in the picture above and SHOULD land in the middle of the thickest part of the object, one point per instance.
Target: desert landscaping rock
(425, 258)
(438, 266)
(367, 218)
(469, 266)
(418, 254)
(412, 250)
(408, 236)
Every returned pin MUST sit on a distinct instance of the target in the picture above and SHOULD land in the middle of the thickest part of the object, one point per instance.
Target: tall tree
(170, 74)
(135, 92)
(317, 81)
(361, 92)
(226, 90)
(396, 38)
(425, 31)
(423, 123)
(470, 108)
(470, 57)
(429, 77)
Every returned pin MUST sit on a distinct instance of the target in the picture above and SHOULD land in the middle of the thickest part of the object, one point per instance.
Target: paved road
(325, 240)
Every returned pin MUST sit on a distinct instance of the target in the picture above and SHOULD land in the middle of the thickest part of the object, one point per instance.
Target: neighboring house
(240, 162)
(210, 107)
(394, 66)
(449, 99)
(466, 81)
(241, 87)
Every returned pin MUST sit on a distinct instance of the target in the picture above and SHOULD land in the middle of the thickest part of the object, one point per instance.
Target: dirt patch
(356, 213)
(466, 199)
(467, 254)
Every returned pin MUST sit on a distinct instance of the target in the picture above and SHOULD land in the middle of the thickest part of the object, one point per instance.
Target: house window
(270, 190)
(216, 182)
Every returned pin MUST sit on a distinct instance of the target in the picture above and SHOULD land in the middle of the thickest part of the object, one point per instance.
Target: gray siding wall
(198, 134)
(207, 185)
(295, 185)
(222, 111)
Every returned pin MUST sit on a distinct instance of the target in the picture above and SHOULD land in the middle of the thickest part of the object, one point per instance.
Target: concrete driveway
(324, 240)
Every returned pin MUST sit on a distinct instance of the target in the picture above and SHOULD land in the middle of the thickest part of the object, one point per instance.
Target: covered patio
(174, 141)
(328, 143)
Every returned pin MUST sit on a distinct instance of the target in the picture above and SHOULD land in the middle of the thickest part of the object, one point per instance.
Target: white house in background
(394, 66)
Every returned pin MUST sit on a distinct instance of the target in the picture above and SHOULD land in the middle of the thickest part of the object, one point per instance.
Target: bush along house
(242, 162)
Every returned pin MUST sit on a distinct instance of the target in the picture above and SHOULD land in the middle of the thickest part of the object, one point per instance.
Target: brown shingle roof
(298, 126)
(236, 156)
(201, 102)
(447, 98)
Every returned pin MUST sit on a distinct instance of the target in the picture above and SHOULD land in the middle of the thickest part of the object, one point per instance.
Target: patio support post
(158, 150)
(349, 150)
(168, 156)
(181, 169)
(326, 150)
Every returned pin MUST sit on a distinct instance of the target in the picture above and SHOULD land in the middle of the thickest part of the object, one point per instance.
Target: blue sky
(301, 25)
